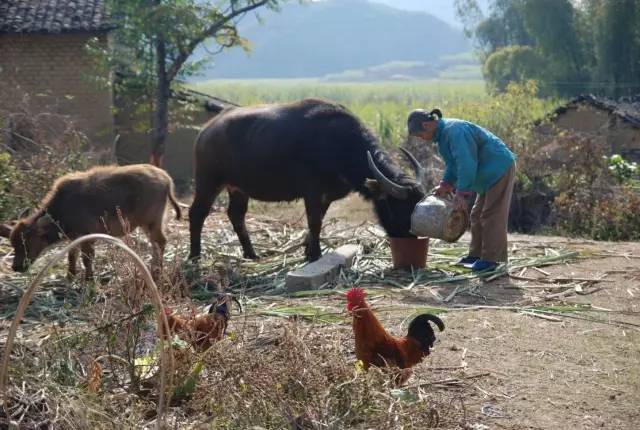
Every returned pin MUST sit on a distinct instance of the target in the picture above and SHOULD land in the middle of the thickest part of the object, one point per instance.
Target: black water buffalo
(311, 149)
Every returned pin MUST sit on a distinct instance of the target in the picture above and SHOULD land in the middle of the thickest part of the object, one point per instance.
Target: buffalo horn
(387, 184)
(417, 167)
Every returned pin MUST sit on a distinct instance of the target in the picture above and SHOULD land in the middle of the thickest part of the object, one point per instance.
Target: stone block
(325, 269)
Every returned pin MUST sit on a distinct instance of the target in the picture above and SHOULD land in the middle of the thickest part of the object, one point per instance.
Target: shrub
(11, 202)
(625, 172)
(39, 147)
(596, 197)
(613, 216)
(512, 64)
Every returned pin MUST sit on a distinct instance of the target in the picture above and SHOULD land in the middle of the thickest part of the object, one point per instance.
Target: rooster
(374, 346)
(203, 330)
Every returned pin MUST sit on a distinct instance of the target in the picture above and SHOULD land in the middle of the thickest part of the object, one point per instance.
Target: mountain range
(443, 9)
(329, 37)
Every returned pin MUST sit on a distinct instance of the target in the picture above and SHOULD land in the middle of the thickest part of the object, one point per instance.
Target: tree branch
(209, 32)
(224, 44)
(216, 52)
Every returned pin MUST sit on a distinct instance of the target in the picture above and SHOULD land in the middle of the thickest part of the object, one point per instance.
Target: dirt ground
(536, 373)
(504, 367)
(546, 374)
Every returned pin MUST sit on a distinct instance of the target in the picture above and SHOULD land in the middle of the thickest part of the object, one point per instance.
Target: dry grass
(288, 359)
(296, 376)
(107, 323)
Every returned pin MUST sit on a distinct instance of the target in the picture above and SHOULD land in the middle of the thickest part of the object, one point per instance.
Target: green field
(406, 93)
(384, 105)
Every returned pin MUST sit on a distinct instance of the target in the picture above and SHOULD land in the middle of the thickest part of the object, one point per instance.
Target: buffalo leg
(87, 259)
(206, 193)
(316, 208)
(73, 259)
(238, 203)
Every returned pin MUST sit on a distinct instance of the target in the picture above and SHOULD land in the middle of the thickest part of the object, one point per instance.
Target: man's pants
(489, 219)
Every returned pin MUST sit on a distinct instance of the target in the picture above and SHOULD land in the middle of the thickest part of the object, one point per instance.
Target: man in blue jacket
(476, 161)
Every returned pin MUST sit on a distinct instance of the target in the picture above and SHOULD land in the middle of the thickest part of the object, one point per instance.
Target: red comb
(356, 295)
(168, 311)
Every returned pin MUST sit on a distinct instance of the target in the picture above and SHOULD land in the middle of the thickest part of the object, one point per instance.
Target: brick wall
(55, 71)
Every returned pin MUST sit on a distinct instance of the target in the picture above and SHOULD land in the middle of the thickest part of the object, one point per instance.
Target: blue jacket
(475, 158)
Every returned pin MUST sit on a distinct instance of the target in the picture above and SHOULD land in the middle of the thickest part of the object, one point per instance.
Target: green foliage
(512, 64)
(552, 25)
(182, 24)
(188, 385)
(503, 27)
(590, 45)
(510, 115)
(623, 171)
(617, 44)
(153, 42)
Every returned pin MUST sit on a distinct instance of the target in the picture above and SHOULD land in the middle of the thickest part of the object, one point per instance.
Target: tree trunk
(161, 112)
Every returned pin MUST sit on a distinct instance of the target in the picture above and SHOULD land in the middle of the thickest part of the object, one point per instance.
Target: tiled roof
(53, 16)
(211, 103)
(627, 109)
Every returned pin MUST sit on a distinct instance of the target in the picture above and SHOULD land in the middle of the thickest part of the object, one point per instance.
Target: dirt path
(547, 374)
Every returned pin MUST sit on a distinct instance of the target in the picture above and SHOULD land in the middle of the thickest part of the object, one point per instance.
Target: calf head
(394, 202)
(29, 238)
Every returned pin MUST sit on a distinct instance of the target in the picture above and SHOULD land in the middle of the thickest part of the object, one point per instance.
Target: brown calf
(95, 201)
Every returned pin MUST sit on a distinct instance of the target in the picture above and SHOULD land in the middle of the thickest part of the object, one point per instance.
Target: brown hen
(202, 331)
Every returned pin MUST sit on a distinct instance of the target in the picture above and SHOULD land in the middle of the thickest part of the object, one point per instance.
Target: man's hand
(443, 189)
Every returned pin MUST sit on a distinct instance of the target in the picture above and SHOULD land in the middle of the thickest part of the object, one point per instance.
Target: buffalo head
(395, 199)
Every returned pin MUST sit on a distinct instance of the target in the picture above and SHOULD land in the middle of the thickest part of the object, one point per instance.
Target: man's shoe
(466, 261)
(484, 266)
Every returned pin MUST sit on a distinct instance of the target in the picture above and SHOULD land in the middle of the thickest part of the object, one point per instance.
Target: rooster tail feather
(435, 319)
(235, 299)
(222, 301)
(421, 330)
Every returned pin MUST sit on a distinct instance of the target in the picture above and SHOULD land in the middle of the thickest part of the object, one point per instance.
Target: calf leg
(316, 208)
(236, 211)
(206, 193)
(158, 242)
(87, 259)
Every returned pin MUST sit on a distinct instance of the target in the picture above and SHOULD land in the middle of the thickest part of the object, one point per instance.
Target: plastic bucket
(408, 252)
(435, 217)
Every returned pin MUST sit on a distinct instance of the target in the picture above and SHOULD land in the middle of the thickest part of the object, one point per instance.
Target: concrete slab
(325, 269)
